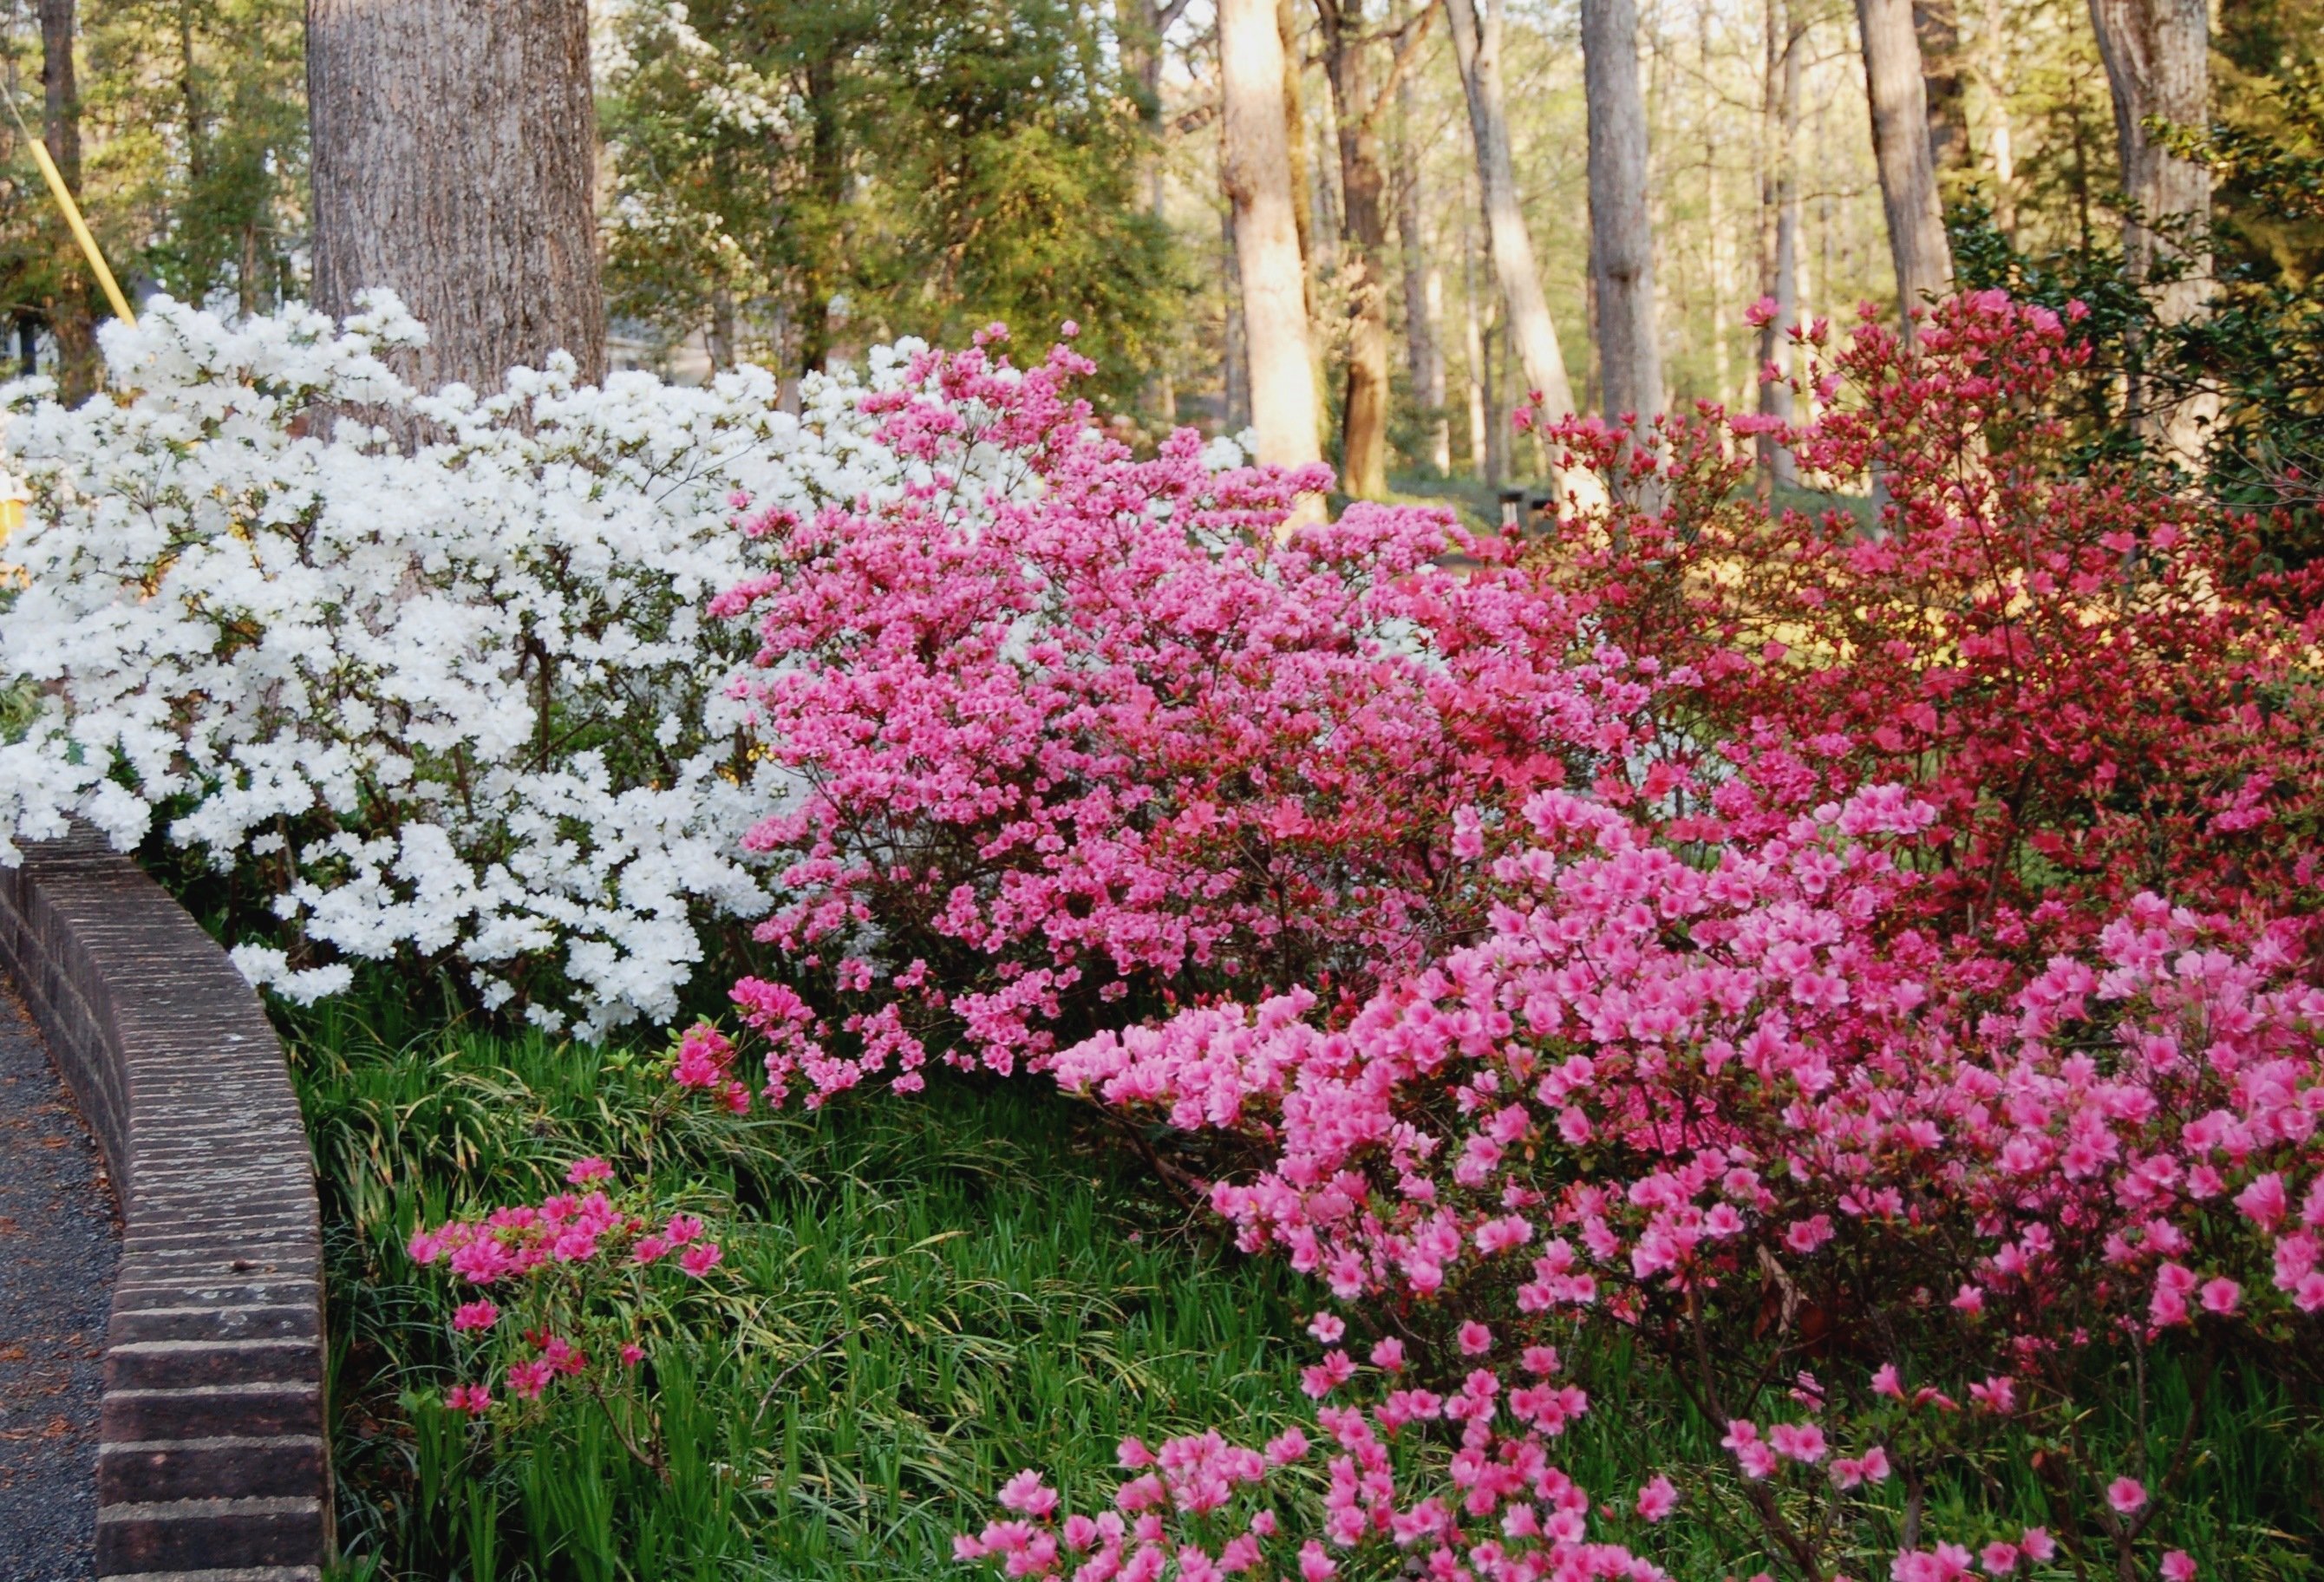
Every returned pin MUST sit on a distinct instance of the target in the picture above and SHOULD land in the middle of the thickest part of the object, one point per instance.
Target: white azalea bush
(462, 707)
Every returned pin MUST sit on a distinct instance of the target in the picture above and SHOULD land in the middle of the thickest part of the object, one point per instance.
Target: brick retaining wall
(212, 1465)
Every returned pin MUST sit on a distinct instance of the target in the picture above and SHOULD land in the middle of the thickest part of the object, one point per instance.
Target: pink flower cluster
(1712, 1101)
(1102, 742)
(563, 1261)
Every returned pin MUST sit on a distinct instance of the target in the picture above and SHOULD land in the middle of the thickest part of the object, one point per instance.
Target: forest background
(787, 181)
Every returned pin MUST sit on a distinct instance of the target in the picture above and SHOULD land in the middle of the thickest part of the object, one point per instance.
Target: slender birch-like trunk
(1254, 166)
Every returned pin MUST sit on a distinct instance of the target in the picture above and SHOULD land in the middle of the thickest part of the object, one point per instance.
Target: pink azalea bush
(1095, 741)
(1695, 1106)
(1624, 976)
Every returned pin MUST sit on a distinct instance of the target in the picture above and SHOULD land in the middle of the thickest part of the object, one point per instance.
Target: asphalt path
(59, 1245)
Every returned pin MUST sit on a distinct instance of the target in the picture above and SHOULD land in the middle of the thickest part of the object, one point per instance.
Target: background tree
(2158, 66)
(455, 157)
(1895, 87)
(1255, 168)
(1478, 32)
(1621, 229)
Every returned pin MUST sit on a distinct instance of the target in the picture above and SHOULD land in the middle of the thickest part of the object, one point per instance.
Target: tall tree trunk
(69, 318)
(1722, 246)
(1780, 230)
(1472, 354)
(1295, 143)
(828, 183)
(1993, 69)
(1924, 259)
(1423, 288)
(1141, 26)
(1255, 167)
(454, 151)
(2158, 64)
(1348, 51)
(1477, 47)
(1234, 399)
(1622, 229)
(1936, 28)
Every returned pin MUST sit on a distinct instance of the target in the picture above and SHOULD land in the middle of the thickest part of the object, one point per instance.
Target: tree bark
(1477, 47)
(70, 319)
(1348, 62)
(1936, 28)
(1472, 351)
(1994, 71)
(1780, 230)
(1422, 289)
(1900, 144)
(1235, 397)
(2157, 56)
(453, 153)
(1621, 229)
(1255, 167)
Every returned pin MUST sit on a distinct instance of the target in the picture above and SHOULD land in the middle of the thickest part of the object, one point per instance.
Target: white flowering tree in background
(460, 705)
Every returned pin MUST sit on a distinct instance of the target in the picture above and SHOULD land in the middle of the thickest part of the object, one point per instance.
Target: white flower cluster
(460, 706)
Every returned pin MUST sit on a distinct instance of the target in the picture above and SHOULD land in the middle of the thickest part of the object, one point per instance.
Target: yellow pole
(80, 230)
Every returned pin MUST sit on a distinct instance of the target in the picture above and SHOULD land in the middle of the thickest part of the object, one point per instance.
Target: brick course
(212, 1464)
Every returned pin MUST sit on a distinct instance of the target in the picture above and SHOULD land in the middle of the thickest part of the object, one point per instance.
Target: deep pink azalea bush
(2081, 671)
(1701, 1108)
(1096, 740)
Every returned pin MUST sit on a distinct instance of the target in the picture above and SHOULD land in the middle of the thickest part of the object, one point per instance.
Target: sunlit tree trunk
(1621, 230)
(453, 156)
(1254, 166)
(1477, 47)
(1900, 144)
(2157, 55)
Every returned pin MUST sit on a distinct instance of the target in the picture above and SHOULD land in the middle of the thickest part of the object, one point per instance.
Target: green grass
(920, 1298)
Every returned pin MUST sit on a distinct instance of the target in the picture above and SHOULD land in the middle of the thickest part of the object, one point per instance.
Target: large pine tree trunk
(453, 152)
(1900, 145)
(1621, 231)
(1348, 61)
(1477, 47)
(2157, 55)
(1255, 167)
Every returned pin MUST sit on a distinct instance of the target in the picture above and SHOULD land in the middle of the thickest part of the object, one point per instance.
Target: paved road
(59, 1243)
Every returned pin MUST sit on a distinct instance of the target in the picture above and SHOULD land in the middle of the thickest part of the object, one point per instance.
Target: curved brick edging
(211, 1465)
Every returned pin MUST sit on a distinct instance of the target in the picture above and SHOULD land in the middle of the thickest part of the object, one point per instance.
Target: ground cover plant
(908, 1306)
(1730, 1041)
